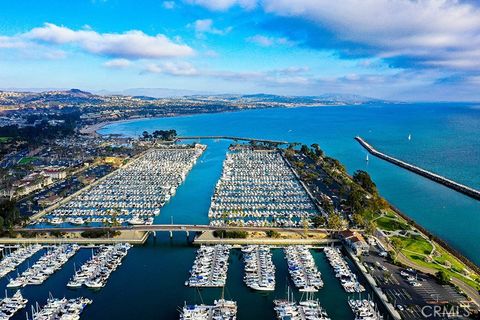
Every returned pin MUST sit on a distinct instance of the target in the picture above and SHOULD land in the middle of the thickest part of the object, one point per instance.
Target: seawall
(475, 194)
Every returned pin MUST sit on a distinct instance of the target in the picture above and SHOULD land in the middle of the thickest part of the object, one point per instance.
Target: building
(46, 202)
(355, 241)
(55, 173)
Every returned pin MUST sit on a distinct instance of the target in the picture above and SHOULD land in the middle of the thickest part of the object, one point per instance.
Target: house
(355, 241)
(55, 173)
(46, 202)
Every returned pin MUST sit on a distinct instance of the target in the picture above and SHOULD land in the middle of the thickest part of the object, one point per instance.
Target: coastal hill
(14, 100)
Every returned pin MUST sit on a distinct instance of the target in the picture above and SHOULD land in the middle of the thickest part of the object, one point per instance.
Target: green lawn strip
(391, 224)
(4, 139)
(419, 260)
(27, 160)
(416, 249)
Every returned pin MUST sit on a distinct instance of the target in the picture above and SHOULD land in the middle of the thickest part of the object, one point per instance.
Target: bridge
(174, 227)
(232, 138)
(472, 193)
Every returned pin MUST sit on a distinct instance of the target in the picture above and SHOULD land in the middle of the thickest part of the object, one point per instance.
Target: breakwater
(473, 193)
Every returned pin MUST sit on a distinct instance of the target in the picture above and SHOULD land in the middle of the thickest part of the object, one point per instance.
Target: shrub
(230, 234)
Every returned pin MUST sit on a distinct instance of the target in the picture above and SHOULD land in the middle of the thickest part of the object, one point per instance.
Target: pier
(472, 193)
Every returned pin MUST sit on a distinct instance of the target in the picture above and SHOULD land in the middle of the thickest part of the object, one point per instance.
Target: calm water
(149, 284)
(445, 139)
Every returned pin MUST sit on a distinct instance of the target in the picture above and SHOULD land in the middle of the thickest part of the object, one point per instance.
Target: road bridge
(174, 227)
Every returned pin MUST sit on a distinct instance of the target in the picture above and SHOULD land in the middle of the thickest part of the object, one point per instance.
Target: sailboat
(366, 159)
(409, 137)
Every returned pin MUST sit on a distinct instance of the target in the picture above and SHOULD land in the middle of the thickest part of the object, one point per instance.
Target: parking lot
(409, 299)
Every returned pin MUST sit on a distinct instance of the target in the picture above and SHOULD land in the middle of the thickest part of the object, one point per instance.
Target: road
(177, 227)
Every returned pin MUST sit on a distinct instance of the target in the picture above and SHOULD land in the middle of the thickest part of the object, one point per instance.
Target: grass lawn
(415, 247)
(27, 160)
(4, 139)
(390, 224)
(416, 244)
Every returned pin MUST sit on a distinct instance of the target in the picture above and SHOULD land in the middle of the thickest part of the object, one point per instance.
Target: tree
(9, 213)
(336, 222)
(363, 179)
(304, 149)
(397, 245)
(272, 234)
(319, 221)
(358, 219)
(317, 150)
(442, 277)
(370, 227)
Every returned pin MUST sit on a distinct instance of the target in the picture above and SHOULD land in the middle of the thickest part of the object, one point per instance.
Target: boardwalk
(475, 194)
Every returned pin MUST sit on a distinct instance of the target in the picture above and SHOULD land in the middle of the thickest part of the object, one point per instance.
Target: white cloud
(172, 68)
(168, 5)
(117, 63)
(221, 5)
(131, 44)
(265, 41)
(435, 33)
(202, 26)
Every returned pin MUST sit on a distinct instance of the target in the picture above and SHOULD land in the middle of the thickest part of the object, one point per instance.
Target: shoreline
(92, 129)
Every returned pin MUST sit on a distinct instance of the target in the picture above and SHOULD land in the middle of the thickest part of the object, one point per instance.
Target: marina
(220, 310)
(342, 270)
(259, 268)
(60, 309)
(13, 259)
(364, 309)
(131, 195)
(257, 188)
(95, 272)
(305, 310)
(11, 305)
(210, 267)
(48, 264)
(302, 269)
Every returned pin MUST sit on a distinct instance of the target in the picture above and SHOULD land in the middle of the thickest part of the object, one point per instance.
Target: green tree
(363, 179)
(336, 222)
(442, 277)
(397, 245)
(272, 234)
(370, 227)
(319, 221)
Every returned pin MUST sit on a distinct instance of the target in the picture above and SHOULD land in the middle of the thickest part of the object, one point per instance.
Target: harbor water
(150, 282)
(444, 139)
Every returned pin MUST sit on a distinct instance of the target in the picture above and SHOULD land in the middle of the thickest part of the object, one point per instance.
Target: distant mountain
(161, 96)
(154, 92)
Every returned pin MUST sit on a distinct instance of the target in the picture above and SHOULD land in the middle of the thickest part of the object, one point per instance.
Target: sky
(415, 50)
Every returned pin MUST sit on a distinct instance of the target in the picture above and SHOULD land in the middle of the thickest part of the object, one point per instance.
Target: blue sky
(394, 49)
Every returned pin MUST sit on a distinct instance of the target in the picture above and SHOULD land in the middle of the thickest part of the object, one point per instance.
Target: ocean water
(445, 139)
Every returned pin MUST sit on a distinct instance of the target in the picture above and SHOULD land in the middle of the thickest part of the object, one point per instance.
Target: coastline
(92, 129)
